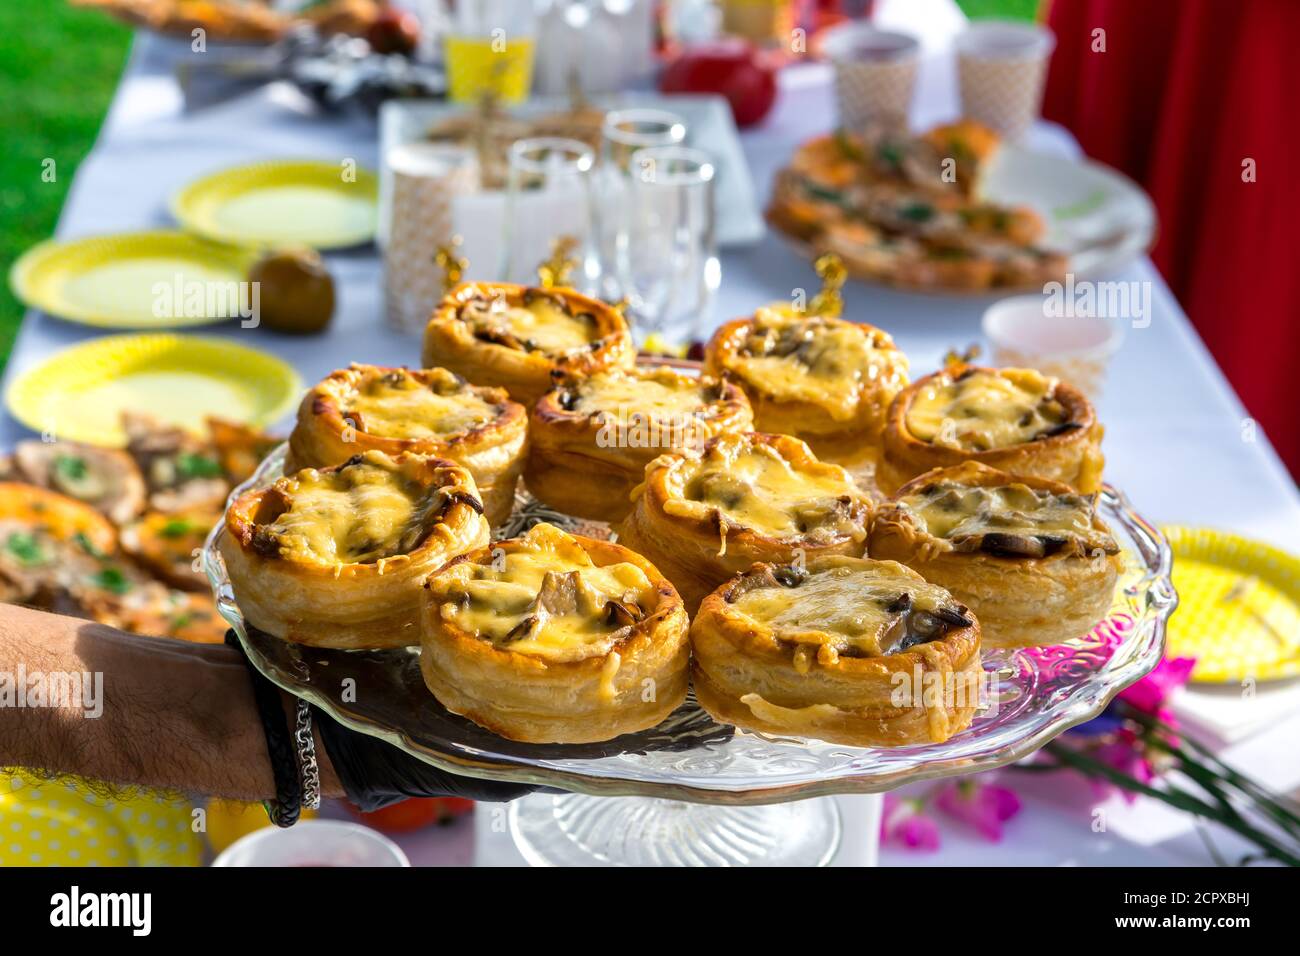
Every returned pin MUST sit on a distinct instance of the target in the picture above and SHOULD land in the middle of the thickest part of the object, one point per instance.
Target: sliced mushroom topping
(790, 575)
(464, 498)
(1012, 545)
(622, 613)
(525, 628)
(920, 626)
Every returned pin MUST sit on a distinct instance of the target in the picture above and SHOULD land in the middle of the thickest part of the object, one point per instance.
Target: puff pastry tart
(1030, 556)
(702, 516)
(822, 379)
(1015, 419)
(430, 411)
(516, 337)
(335, 557)
(555, 638)
(848, 650)
(591, 438)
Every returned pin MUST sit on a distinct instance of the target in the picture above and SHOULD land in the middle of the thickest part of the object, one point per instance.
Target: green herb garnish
(191, 464)
(176, 528)
(112, 579)
(70, 467)
(25, 548)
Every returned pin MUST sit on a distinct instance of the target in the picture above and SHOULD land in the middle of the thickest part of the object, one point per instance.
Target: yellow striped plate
(80, 393)
(133, 280)
(1238, 606)
(284, 202)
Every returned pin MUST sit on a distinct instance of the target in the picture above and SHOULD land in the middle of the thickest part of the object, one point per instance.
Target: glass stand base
(570, 829)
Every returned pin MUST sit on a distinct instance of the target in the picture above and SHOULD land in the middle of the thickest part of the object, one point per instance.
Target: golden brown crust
(367, 604)
(327, 433)
(699, 552)
(1073, 457)
(1020, 601)
(833, 430)
(586, 461)
(745, 674)
(523, 697)
(527, 375)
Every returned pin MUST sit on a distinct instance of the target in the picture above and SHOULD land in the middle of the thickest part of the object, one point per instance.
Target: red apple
(730, 67)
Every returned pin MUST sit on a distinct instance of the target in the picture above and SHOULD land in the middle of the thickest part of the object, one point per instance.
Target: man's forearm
(173, 715)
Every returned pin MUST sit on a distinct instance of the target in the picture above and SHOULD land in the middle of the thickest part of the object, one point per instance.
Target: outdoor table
(1178, 441)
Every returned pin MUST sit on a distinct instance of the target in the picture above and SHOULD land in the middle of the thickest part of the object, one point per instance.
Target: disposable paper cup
(1076, 349)
(314, 843)
(875, 73)
(1001, 69)
(427, 178)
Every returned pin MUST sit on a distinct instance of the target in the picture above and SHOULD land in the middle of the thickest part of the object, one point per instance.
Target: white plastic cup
(314, 843)
(1077, 349)
(1001, 72)
(419, 216)
(875, 73)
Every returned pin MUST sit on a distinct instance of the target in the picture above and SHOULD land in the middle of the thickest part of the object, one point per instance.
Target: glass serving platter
(1031, 695)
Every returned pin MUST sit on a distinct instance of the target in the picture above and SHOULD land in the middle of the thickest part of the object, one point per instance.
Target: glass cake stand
(692, 791)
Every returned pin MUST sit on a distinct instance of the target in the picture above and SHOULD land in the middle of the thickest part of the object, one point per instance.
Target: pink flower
(984, 806)
(902, 823)
(1126, 760)
(1150, 693)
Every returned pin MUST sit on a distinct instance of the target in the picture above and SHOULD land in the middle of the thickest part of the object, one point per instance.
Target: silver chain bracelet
(307, 765)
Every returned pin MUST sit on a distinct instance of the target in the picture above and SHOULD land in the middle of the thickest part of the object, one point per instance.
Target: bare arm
(173, 715)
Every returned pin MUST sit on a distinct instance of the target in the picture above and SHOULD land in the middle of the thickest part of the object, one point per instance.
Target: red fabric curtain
(1185, 92)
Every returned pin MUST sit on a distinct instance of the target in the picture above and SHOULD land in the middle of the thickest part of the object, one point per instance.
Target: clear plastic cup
(314, 843)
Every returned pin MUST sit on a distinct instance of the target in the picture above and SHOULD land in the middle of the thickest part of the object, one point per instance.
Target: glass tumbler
(549, 197)
(622, 134)
(666, 255)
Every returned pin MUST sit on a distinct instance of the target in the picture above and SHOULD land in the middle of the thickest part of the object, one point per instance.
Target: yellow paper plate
(1238, 606)
(134, 280)
(81, 393)
(65, 823)
(322, 205)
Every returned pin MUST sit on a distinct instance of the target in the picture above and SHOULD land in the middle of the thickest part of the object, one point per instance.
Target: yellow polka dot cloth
(1238, 606)
(63, 823)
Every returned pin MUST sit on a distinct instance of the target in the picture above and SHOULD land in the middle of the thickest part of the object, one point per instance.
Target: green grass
(58, 69)
(1001, 9)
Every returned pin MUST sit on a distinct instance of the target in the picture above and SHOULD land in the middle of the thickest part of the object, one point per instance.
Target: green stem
(1180, 799)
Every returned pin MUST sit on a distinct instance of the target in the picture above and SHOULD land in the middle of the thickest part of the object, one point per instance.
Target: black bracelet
(286, 806)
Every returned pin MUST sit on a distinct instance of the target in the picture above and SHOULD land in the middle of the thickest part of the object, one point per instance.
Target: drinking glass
(489, 49)
(549, 196)
(666, 251)
(622, 134)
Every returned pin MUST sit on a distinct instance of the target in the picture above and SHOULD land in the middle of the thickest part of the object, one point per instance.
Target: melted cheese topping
(984, 410)
(953, 511)
(846, 609)
(541, 322)
(751, 485)
(396, 404)
(829, 362)
(660, 393)
(361, 513)
(546, 599)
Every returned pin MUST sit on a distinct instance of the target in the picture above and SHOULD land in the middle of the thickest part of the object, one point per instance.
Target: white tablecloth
(1174, 437)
